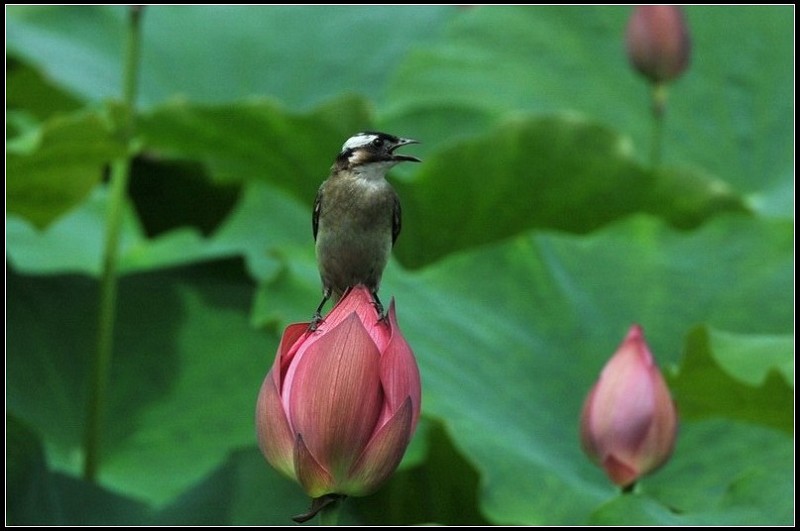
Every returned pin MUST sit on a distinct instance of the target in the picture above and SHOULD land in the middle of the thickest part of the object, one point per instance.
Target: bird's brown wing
(397, 219)
(315, 213)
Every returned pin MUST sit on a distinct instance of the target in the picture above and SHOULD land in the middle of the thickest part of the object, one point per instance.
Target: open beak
(407, 158)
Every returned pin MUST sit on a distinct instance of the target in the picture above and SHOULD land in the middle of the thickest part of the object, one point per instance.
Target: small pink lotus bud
(340, 403)
(629, 421)
(658, 42)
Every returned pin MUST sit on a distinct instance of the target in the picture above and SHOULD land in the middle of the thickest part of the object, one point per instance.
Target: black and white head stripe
(366, 138)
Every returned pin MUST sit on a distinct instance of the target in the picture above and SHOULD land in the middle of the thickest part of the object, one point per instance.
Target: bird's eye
(378, 142)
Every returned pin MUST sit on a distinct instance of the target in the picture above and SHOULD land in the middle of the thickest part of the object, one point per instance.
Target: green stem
(326, 506)
(120, 170)
(329, 515)
(659, 103)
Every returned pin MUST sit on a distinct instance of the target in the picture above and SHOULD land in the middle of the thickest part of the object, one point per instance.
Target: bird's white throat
(374, 172)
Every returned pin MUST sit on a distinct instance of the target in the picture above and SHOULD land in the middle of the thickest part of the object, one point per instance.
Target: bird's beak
(407, 158)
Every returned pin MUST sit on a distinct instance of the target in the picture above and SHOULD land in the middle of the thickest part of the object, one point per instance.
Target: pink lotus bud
(658, 42)
(340, 404)
(629, 422)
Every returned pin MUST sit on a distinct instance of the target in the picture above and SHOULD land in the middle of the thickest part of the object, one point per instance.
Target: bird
(357, 218)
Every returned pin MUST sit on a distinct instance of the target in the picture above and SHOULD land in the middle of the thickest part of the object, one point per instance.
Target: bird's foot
(317, 318)
(315, 322)
(376, 302)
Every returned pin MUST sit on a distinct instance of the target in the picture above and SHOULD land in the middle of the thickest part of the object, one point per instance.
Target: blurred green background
(535, 233)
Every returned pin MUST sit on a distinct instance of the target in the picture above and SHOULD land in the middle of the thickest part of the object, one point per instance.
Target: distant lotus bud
(629, 422)
(340, 404)
(658, 42)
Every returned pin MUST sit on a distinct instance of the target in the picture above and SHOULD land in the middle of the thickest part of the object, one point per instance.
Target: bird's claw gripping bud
(315, 322)
(376, 302)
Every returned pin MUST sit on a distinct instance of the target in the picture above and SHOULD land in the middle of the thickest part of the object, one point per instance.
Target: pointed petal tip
(400, 374)
(635, 332)
(635, 343)
(293, 337)
(292, 333)
(394, 327)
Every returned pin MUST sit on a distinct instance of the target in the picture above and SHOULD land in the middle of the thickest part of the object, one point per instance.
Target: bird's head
(373, 152)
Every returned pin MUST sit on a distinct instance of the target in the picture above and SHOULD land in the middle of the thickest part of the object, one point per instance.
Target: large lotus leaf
(738, 375)
(716, 477)
(28, 91)
(726, 114)
(754, 492)
(54, 167)
(533, 322)
(77, 47)
(257, 139)
(29, 496)
(73, 243)
(39, 496)
(244, 490)
(554, 172)
(749, 493)
(300, 54)
(185, 373)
